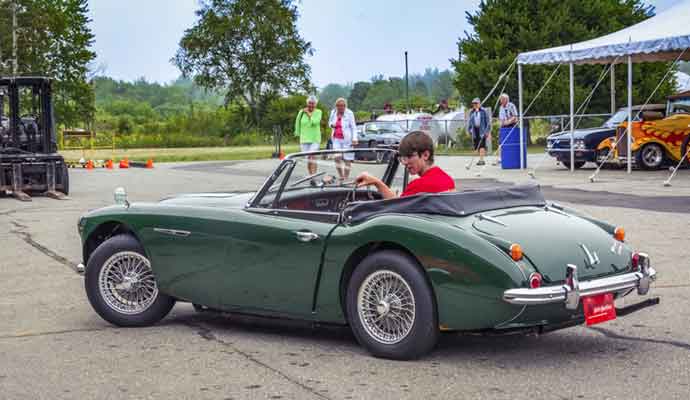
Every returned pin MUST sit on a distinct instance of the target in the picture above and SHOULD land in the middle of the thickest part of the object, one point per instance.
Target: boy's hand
(364, 179)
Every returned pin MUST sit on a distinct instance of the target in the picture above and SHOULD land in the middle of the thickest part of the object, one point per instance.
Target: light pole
(14, 38)
(407, 85)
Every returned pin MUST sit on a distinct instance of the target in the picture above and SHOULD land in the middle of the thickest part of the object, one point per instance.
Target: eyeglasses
(406, 159)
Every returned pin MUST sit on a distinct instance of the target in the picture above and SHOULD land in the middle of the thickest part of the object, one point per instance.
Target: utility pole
(407, 85)
(14, 38)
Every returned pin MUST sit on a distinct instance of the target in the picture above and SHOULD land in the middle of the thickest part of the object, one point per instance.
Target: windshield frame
(291, 161)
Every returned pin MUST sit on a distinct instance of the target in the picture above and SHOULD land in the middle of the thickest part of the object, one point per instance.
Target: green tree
(332, 92)
(53, 39)
(249, 49)
(504, 28)
(358, 94)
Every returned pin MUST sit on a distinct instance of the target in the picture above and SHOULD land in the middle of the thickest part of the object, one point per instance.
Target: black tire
(422, 336)
(578, 164)
(650, 157)
(158, 308)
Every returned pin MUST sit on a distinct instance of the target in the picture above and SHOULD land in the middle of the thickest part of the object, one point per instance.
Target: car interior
(322, 191)
(319, 199)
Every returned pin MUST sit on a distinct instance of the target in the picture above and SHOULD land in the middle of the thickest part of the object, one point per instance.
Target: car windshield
(679, 106)
(325, 170)
(384, 127)
(620, 116)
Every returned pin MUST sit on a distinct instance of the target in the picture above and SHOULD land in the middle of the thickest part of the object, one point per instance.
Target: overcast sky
(354, 39)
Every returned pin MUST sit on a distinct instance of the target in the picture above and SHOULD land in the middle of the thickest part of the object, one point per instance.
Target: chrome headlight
(549, 144)
(81, 224)
(579, 144)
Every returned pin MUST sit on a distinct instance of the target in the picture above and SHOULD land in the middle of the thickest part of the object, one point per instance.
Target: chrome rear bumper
(570, 292)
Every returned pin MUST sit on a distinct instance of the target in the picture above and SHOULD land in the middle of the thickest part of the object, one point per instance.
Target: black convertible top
(455, 204)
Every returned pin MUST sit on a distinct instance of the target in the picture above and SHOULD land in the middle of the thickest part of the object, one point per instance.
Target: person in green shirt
(308, 128)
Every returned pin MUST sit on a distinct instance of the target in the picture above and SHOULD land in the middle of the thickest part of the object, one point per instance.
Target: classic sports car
(397, 271)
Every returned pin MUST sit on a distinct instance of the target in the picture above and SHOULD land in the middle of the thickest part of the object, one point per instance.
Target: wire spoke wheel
(127, 284)
(386, 306)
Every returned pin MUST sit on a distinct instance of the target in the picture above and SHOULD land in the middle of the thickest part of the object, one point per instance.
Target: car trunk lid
(552, 239)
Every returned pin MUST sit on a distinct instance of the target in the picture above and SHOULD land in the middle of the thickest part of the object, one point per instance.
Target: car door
(273, 258)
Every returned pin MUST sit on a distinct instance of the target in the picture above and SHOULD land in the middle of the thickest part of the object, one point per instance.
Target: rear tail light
(515, 252)
(635, 261)
(535, 280)
(619, 234)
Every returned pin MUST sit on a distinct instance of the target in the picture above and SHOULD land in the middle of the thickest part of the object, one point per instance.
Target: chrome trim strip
(553, 208)
(559, 294)
(172, 232)
(592, 259)
(483, 217)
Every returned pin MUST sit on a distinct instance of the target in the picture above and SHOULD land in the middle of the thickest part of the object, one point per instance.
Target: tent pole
(522, 125)
(629, 155)
(572, 118)
(613, 89)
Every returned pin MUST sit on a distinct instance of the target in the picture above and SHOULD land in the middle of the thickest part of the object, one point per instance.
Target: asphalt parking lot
(54, 346)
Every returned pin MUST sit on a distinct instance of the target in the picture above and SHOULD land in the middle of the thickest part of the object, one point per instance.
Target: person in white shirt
(507, 116)
(343, 136)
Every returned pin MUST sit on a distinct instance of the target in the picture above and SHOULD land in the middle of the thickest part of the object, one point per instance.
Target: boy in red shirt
(417, 155)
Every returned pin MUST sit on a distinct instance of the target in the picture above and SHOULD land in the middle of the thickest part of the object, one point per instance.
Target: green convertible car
(398, 272)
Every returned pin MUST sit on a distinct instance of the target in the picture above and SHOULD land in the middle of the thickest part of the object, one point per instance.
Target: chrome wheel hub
(386, 306)
(126, 283)
(652, 155)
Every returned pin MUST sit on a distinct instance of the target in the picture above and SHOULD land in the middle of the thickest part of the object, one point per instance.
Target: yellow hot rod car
(658, 137)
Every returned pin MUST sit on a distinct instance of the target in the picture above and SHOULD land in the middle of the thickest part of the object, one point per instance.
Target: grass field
(216, 153)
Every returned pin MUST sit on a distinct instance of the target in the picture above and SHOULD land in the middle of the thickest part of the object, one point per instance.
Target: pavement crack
(614, 335)
(50, 333)
(20, 230)
(207, 334)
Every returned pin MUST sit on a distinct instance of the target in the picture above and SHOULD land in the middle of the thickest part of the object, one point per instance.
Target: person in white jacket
(343, 136)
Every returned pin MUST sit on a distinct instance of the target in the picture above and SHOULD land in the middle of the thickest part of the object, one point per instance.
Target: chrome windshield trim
(559, 293)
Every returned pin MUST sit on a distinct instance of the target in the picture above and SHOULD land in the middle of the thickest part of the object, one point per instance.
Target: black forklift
(29, 161)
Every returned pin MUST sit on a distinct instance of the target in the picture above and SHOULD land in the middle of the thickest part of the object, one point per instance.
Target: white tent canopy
(663, 37)
(659, 38)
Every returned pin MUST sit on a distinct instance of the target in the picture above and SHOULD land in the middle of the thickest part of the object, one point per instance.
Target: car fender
(606, 143)
(468, 274)
(639, 143)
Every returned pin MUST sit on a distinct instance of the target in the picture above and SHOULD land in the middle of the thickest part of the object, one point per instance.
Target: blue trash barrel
(510, 150)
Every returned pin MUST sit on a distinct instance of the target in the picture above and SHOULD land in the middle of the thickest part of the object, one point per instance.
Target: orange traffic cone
(124, 163)
(109, 164)
(89, 164)
(149, 163)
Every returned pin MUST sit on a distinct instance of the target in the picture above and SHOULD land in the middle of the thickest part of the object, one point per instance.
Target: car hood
(232, 199)
(550, 240)
(581, 133)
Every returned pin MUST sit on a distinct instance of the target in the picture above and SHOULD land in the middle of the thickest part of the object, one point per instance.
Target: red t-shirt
(434, 180)
(338, 129)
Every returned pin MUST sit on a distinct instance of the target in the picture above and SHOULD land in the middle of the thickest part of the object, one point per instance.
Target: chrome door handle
(172, 232)
(306, 236)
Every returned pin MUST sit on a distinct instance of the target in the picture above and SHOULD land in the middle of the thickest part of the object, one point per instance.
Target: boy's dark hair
(417, 142)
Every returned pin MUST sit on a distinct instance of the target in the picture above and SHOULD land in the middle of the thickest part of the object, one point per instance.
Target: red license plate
(599, 308)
